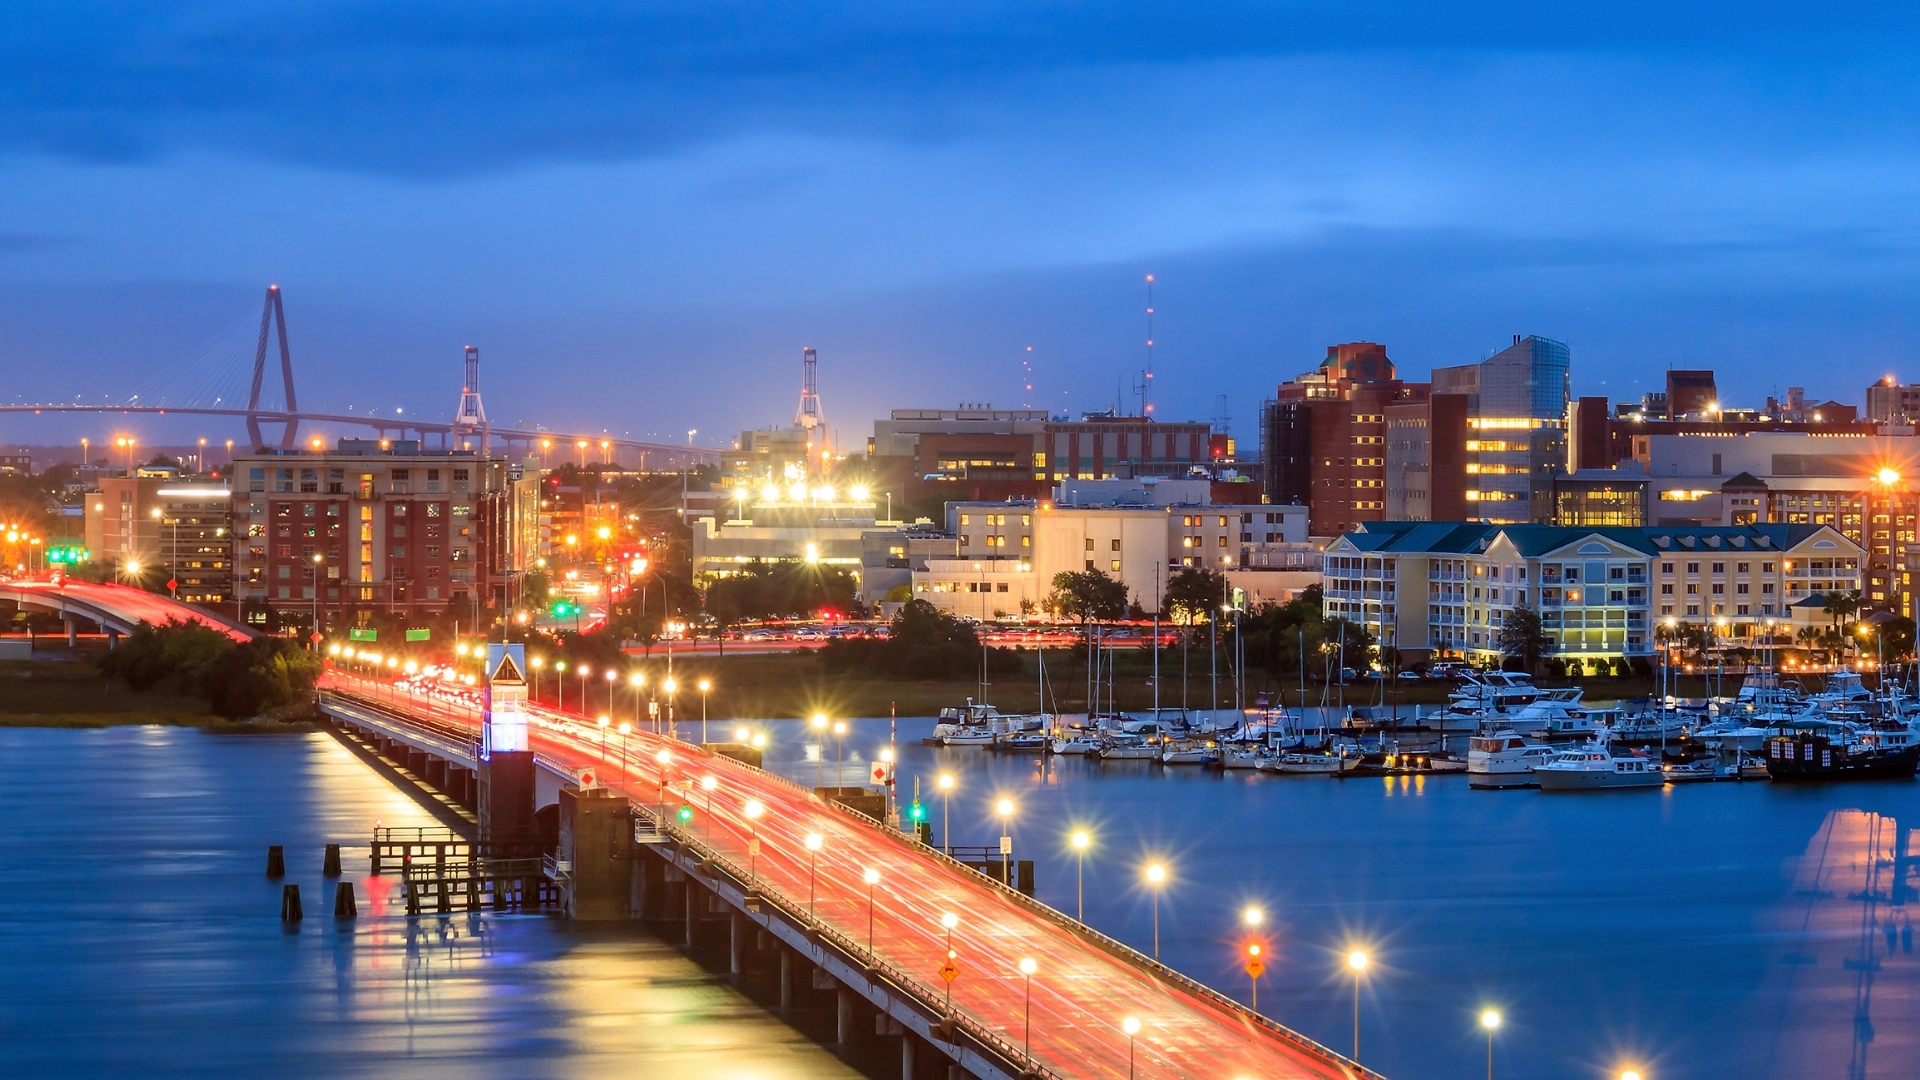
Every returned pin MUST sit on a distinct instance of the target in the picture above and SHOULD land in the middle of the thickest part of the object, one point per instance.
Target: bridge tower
(809, 415)
(273, 316)
(471, 417)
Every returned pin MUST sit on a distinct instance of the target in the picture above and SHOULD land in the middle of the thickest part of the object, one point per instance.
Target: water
(1712, 930)
(139, 936)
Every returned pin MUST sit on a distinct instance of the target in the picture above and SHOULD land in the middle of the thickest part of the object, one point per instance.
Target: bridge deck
(121, 607)
(1085, 984)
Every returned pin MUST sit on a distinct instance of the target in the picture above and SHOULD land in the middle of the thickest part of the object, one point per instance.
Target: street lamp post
(1132, 1028)
(1005, 809)
(839, 752)
(536, 664)
(945, 784)
(754, 809)
(1357, 963)
(612, 677)
(584, 671)
(819, 723)
(637, 680)
(560, 677)
(626, 729)
(705, 686)
(1027, 968)
(672, 686)
(1490, 1020)
(872, 878)
(663, 759)
(813, 842)
(1156, 877)
(949, 921)
(1080, 840)
(707, 784)
(1253, 917)
(317, 560)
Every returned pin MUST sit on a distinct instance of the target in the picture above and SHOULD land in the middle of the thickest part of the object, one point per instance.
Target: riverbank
(66, 690)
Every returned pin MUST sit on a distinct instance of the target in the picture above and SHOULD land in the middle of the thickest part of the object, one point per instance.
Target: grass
(72, 693)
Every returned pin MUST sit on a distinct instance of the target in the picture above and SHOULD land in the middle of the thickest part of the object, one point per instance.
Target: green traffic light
(916, 811)
(686, 814)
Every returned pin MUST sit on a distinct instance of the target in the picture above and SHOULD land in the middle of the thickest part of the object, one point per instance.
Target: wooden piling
(290, 903)
(276, 861)
(343, 902)
(331, 867)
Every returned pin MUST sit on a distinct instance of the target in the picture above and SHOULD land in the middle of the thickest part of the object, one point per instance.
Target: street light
(820, 750)
(839, 752)
(707, 784)
(945, 783)
(754, 809)
(612, 677)
(1253, 917)
(636, 680)
(536, 664)
(705, 685)
(585, 671)
(1080, 840)
(1357, 963)
(1490, 1020)
(1005, 809)
(1156, 877)
(317, 560)
(671, 686)
(814, 842)
(560, 676)
(1027, 968)
(872, 878)
(1132, 1028)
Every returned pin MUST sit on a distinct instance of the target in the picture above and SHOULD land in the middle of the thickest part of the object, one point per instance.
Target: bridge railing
(900, 983)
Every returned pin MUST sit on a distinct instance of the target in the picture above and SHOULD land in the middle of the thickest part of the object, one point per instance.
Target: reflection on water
(1845, 971)
(139, 936)
(1695, 932)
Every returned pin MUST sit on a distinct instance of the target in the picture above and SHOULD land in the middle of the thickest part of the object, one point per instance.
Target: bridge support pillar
(596, 837)
(786, 979)
(72, 636)
(906, 1055)
(692, 893)
(845, 1028)
(506, 796)
(737, 944)
(113, 638)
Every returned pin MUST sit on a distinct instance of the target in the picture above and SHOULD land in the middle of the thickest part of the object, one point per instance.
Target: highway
(123, 603)
(1083, 988)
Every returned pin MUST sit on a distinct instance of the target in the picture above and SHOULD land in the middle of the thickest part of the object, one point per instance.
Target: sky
(641, 213)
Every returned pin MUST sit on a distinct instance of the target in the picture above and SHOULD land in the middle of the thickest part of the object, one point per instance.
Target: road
(124, 602)
(1083, 988)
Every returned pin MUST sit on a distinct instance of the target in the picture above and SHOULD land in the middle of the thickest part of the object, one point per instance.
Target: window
(1089, 547)
(399, 509)
(433, 509)
(1116, 545)
(1740, 568)
(1693, 568)
(966, 519)
(399, 531)
(1666, 590)
(1719, 568)
(1693, 590)
(1666, 568)
(1116, 564)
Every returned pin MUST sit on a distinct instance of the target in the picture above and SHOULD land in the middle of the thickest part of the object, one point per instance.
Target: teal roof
(1472, 537)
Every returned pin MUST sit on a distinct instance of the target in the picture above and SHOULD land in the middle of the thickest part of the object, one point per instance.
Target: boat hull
(1597, 780)
(1897, 765)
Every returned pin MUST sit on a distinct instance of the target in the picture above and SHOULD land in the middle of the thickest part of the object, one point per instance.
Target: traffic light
(564, 609)
(686, 814)
(916, 812)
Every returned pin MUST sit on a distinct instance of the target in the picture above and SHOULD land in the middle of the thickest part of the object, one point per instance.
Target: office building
(1324, 437)
(1888, 403)
(154, 529)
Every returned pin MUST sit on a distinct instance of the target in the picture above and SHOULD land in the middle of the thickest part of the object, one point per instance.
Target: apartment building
(1447, 587)
(370, 526)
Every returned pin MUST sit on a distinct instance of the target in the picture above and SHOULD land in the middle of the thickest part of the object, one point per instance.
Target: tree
(1088, 595)
(1521, 638)
(1193, 592)
(923, 642)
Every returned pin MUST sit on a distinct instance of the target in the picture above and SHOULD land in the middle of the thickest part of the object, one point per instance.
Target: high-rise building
(1516, 438)
(1324, 437)
(1691, 393)
(1888, 403)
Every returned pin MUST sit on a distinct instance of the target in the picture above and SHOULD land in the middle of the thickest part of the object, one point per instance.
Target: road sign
(753, 847)
(1006, 845)
(173, 585)
(1255, 967)
(949, 971)
(880, 772)
(315, 637)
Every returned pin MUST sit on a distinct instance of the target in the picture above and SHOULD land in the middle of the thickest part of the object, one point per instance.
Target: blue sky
(641, 213)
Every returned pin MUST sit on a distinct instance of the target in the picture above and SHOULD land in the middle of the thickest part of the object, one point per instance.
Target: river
(1709, 930)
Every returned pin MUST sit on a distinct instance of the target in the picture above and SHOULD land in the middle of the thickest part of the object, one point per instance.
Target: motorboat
(1077, 742)
(1595, 767)
(1505, 759)
(1835, 752)
(1025, 742)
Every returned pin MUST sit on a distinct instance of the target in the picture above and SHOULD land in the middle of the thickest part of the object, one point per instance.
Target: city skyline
(665, 209)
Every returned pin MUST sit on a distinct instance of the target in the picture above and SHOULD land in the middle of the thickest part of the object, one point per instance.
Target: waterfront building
(821, 526)
(165, 526)
(367, 527)
(1447, 587)
(1140, 532)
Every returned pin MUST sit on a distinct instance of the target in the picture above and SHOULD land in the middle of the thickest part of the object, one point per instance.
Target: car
(1408, 676)
(809, 633)
(762, 634)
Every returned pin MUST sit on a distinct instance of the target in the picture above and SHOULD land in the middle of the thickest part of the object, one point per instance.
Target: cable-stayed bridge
(232, 375)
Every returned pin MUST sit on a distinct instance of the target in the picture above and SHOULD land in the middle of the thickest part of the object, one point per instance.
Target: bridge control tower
(471, 417)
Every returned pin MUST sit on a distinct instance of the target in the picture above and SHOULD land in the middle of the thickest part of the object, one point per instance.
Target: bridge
(205, 387)
(116, 609)
(859, 908)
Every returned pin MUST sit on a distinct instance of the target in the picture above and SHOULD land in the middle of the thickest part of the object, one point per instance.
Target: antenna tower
(809, 416)
(471, 417)
(1143, 388)
(273, 315)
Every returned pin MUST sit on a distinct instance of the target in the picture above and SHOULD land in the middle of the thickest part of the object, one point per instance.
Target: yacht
(1074, 741)
(1505, 759)
(1245, 757)
(1837, 752)
(1594, 767)
(1189, 754)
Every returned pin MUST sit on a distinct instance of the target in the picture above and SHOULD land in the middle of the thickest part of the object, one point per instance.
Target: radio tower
(1144, 386)
(471, 417)
(809, 415)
